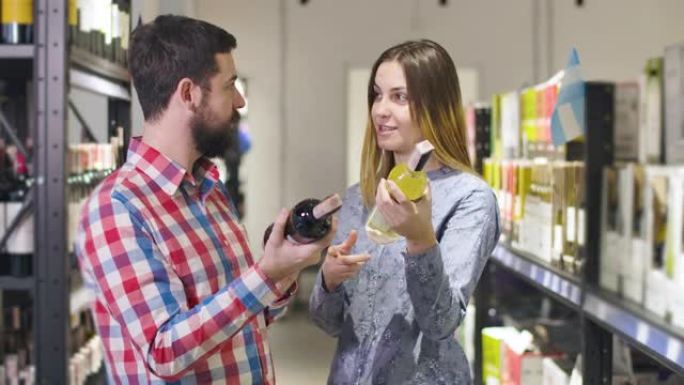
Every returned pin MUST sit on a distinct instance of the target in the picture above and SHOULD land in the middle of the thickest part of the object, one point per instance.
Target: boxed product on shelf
(650, 113)
(556, 371)
(507, 204)
(635, 264)
(674, 103)
(626, 127)
(674, 262)
(657, 194)
(479, 136)
(536, 230)
(493, 350)
(522, 365)
(559, 214)
(522, 189)
(614, 228)
(495, 128)
(627, 240)
(574, 217)
(510, 125)
(523, 360)
(541, 205)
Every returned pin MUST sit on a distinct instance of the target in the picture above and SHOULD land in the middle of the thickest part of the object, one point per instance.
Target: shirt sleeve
(278, 308)
(146, 298)
(441, 280)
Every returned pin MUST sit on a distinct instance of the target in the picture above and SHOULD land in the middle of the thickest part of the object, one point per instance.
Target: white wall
(93, 109)
(357, 111)
(327, 37)
(615, 37)
(257, 26)
(148, 10)
(299, 147)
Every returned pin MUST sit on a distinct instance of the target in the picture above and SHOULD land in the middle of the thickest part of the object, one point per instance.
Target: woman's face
(394, 128)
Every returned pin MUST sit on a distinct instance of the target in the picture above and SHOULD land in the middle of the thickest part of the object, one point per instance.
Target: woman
(395, 307)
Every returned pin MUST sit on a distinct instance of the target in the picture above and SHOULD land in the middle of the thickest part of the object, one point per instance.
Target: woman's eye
(401, 97)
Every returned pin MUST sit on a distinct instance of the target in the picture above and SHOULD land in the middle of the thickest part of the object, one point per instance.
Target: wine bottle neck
(327, 207)
(420, 155)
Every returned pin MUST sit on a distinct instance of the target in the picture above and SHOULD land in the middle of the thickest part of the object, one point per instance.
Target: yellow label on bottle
(17, 11)
(411, 183)
(73, 13)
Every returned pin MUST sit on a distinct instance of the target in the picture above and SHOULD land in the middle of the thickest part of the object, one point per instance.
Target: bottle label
(17, 11)
(73, 13)
(22, 239)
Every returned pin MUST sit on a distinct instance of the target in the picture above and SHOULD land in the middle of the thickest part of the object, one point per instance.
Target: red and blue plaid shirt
(178, 297)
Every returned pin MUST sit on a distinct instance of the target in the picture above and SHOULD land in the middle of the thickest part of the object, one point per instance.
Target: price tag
(643, 331)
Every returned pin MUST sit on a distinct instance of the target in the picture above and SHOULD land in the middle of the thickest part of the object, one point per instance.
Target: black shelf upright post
(597, 343)
(51, 301)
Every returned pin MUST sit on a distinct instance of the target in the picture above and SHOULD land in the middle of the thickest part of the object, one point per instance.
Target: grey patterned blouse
(395, 321)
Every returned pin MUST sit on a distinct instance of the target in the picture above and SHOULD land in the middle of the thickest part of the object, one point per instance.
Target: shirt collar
(169, 174)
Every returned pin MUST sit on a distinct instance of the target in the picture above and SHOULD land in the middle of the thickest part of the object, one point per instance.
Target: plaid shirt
(178, 297)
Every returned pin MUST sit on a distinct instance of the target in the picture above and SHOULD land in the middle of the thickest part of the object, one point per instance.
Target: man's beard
(213, 139)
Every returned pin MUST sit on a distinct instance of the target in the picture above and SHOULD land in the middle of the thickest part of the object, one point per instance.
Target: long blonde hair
(435, 105)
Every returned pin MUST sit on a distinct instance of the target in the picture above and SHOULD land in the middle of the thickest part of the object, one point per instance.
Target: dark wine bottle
(17, 21)
(20, 244)
(310, 220)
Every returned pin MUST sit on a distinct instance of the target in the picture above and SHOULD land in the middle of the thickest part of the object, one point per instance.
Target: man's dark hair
(169, 49)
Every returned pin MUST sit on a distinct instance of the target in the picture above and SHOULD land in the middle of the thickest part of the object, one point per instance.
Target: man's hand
(283, 258)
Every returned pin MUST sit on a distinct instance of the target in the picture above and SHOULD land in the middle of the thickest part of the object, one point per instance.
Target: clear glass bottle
(412, 181)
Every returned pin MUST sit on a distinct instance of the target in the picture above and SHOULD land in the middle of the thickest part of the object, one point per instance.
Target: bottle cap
(420, 155)
(327, 207)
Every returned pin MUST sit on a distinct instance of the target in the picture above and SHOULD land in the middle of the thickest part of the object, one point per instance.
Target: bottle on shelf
(72, 21)
(412, 181)
(17, 21)
(310, 220)
(20, 244)
(16, 363)
(86, 349)
(116, 31)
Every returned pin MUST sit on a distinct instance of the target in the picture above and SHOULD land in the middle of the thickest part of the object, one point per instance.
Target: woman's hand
(413, 220)
(339, 266)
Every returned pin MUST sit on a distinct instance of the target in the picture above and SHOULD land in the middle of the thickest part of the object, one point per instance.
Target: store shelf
(549, 280)
(22, 51)
(80, 300)
(98, 85)
(648, 333)
(98, 65)
(12, 283)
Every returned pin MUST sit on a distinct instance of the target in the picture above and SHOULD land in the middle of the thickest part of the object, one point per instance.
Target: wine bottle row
(16, 367)
(86, 353)
(101, 27)
(16, 219)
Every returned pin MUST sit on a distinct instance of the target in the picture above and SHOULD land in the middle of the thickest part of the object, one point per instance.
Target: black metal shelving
(602, 314)
(15, 283)
(553, 282)
(643, 330)
(22, 51)
(55, 67)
